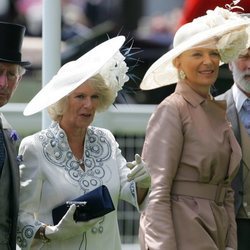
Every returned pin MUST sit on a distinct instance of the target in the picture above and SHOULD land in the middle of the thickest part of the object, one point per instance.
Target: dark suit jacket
(11, 148)
(233, 117)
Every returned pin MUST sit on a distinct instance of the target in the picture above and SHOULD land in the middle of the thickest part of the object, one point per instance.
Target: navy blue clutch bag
(93, 204)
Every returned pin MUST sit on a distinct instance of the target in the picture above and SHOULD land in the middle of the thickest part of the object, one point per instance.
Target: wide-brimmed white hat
(104, 59)
(226, 29)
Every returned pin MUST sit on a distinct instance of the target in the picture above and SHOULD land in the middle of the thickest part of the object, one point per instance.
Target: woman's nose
(88, 102)
(207, 59)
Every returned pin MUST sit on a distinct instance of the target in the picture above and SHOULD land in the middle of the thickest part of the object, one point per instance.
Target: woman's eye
(95, 97)
(80, 96)
(196, 54)
(215, 54)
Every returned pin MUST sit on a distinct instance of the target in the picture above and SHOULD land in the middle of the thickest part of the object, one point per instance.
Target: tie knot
(246, 105)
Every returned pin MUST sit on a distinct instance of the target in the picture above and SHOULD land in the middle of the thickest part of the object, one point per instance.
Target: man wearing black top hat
(11, 70)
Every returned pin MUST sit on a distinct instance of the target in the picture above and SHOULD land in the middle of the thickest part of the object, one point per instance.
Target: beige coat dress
(193, 157)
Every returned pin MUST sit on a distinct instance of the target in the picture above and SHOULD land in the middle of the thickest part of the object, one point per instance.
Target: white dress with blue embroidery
(50, 175)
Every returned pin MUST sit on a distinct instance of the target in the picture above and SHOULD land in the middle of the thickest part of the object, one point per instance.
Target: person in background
(12, 69)
(195, 8)
(238, 113)
(190, 148)
(71, 157)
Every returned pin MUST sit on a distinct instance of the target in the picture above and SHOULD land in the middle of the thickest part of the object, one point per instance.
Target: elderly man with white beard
(238, 114)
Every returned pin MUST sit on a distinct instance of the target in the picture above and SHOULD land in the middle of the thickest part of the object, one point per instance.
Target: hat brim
(21, 63)
(73, 74)
(162, 72)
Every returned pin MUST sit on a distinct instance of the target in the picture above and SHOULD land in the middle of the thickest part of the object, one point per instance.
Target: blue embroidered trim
(97, 150)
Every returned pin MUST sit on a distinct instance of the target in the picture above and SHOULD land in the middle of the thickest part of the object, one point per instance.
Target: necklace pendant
(80, 162)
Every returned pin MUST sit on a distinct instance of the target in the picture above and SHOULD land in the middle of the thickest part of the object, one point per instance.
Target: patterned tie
(246, 117)
(2, 148)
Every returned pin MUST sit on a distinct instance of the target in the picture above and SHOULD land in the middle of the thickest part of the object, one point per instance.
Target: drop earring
(182, 75)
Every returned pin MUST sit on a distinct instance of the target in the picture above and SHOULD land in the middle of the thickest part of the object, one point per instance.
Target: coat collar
(194, 98)
(189, 94)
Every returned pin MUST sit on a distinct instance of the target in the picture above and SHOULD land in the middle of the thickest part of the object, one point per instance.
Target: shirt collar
(239, 97)
(5, 123)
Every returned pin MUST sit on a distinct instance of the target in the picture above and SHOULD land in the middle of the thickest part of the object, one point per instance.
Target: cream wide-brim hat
(162, 72)
(72, 74)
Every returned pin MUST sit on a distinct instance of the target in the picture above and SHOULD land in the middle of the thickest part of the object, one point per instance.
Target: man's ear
(230, 66)
(18, 81)
(20, 78)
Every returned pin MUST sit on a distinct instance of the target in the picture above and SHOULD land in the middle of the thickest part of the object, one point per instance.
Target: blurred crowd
(151, 24)
(78, 16)
(156, 22)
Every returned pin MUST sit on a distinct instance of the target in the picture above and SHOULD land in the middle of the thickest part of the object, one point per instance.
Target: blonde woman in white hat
(189, 146)
(71, 157)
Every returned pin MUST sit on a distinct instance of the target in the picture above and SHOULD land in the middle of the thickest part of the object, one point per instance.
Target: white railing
(121, 118)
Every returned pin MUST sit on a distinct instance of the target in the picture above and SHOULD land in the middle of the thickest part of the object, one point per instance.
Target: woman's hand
(68, 227)
(139, 172)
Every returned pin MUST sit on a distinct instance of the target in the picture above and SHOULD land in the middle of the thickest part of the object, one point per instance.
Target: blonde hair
(106, 98)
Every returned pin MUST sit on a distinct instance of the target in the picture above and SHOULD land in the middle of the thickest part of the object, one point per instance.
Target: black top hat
(11, 43)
